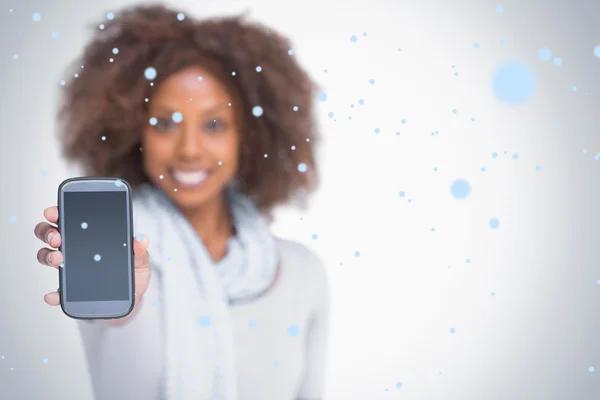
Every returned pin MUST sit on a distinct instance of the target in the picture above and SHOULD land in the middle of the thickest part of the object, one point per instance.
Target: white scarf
(199, 343)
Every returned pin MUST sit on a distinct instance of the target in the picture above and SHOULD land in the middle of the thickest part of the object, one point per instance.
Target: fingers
(52, 258)
(48, 234)
(142, 258)
(52, 298)
(51, 214)
(140, 244)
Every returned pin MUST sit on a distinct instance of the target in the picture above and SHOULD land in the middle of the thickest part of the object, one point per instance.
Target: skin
(207, 134)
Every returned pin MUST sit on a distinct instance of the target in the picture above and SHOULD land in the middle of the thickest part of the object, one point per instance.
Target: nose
(190, 144)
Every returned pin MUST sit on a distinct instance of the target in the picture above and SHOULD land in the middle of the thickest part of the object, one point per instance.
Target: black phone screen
(96, 245)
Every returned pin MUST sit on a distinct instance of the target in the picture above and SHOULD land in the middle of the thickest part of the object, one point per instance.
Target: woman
(211, 123)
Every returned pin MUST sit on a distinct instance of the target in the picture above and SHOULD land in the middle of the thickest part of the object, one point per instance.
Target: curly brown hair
(104, 109)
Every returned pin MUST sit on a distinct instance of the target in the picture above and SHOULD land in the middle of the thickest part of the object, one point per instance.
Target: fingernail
(49, 236)
(140, 238)
(48, 258)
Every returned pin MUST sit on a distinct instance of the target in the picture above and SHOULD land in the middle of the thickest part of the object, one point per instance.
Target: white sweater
(281, 339)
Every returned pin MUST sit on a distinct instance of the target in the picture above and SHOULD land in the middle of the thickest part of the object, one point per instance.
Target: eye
(164, 124)
(214, 125)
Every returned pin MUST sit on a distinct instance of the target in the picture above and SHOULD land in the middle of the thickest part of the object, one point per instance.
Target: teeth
(190, 178)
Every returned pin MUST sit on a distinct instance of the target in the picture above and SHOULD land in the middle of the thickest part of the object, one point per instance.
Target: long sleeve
(124, 362)
(313, 386)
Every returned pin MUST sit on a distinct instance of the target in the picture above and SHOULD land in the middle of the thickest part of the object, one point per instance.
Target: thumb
(140, 244)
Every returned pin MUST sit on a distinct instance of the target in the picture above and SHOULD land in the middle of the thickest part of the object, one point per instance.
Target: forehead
(196, 83)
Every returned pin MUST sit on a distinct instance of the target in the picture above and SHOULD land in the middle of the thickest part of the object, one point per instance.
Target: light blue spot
(45, 361)
(452, 330)
(54, 35)
(357, 253)
(257, 111)
(13, 219)
(353, 38)
(493, 294)
(110, 16)
(180, 17)
(155, 303)
(372, 81)
(502, 41)
(115, 50)
(177, 117)
(472, 119)
(592, 369)
(432, 229)
(204, 321)
(482, 169)
(44, 173)
(322, 96)
(398, 385)
(295, 108)
(454, 111)
(544, 54)
(476, 45)
(403, 122)
(460, 189)
(276, 363)
(468, 261)
(252, 323)
(574, 88)
(399, 49)
(62, 82)
(513, 82)
(377, 130)
(435, 169)
(402, 194)
(290, 52)
(150, 73)
(597, 51)
(537, 168)
(325, 70)
(515, 156)
(36, 17)
(293, 331)
(97, 257)
(499, 8)
(258, 68)
(598, 282)
(84, 225)
(597, 156)
(557, 61)
(302, 167)
(140, 237)
(330, 115)
(315, 236)
(361, 102)
(409, 201)
(153, 121)
(364, 33)
(118, 183)
(397, 133)
(494, 223)
(456, 74)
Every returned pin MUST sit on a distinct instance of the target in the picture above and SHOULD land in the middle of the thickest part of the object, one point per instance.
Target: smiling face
(191, 143)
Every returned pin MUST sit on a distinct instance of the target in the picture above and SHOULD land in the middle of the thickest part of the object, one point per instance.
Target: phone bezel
(89, 310)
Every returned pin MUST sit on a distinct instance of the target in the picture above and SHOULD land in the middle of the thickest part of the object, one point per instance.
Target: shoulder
(305, 263)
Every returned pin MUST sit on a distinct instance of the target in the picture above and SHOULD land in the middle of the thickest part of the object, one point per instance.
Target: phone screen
(96, 245)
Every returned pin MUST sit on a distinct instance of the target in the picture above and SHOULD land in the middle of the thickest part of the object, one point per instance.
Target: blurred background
(458, 210)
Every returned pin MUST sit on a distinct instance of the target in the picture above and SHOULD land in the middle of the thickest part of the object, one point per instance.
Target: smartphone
(96, 226)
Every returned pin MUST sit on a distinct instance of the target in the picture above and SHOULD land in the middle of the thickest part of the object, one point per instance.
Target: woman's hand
(48, 233)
